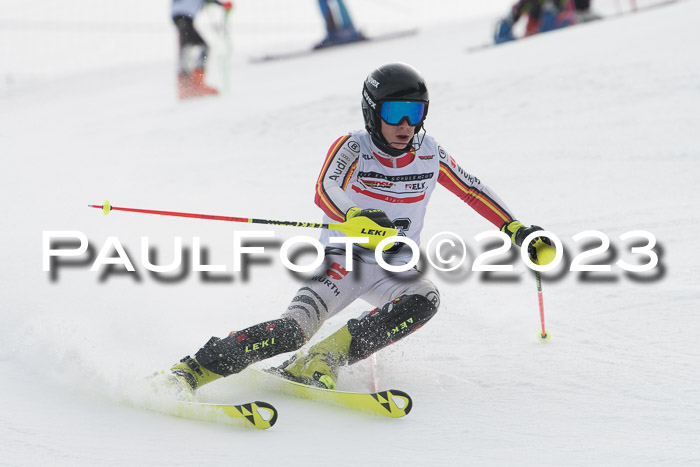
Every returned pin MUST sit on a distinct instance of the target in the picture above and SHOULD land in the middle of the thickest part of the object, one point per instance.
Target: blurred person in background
(339, 26)
(543, 16)
(192, 48)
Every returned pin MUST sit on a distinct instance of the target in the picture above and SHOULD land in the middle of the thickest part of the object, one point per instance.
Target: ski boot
(319, 367)
(191, 85)
(167, 385)
(190, 372)
(504, 30)
(199, 87)
(184, 85)
(339, 37)
(182, 379)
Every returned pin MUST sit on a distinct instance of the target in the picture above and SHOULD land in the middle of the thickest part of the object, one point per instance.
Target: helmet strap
(419, 143)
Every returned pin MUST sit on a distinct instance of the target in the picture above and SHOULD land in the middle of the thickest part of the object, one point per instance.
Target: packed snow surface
(590, 128)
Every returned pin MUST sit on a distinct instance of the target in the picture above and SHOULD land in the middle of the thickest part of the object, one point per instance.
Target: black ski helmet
(391, 82)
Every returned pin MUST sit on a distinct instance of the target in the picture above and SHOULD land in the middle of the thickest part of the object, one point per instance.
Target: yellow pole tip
(544, 337)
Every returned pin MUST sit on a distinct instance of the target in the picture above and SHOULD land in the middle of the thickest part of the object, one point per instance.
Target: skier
(584, 13)
(387, 173)
(543, 16)
(339, 26)
(190, 78)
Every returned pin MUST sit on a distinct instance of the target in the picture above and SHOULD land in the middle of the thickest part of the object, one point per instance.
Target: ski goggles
(393, 112)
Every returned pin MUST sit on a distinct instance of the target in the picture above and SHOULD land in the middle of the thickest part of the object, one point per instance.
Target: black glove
(518, 232)
(376, 215)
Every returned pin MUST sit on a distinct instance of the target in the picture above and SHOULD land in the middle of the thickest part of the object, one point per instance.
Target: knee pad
(429, 291)
(385, 325)
(240, 349)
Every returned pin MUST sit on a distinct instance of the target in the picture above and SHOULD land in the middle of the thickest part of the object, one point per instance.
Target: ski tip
(271, 410)
(408, 402)
(395, 403)
(258, 414)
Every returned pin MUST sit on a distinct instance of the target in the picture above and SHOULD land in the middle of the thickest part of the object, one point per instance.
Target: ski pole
(543, 335)
(355, 227)
(227, 51)
(375, 377)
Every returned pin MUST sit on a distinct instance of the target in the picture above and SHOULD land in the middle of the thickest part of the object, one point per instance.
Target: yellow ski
(391, 403)
(254, 414)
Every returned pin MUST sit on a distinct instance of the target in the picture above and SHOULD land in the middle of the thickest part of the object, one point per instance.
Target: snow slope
(594, 127)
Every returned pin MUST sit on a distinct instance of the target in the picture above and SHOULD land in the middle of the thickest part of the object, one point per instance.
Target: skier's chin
(400, 144)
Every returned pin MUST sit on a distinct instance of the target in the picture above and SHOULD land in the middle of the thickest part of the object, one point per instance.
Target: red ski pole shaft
(375, 377)
(541, 302)
(363, 227)
(107, 208)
